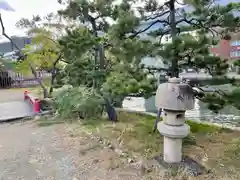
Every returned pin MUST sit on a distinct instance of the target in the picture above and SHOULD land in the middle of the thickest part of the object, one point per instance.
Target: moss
(202, 128)
(146, 122)
(134, 132)
(214, 147)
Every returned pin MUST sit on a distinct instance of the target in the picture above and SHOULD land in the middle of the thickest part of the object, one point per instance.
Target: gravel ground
(7, 95)
(32, 153)
(29, 152)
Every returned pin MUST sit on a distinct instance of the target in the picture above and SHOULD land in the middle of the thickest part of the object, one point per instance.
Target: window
(235, 54)
(235, 43)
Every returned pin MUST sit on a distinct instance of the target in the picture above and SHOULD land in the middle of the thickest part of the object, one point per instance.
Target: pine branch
(163, 34)
(180, 3)
(156, 69)
(147, 28)
(199, 24)
(156, 15)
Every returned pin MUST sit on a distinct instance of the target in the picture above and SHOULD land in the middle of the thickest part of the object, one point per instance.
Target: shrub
(80, 101)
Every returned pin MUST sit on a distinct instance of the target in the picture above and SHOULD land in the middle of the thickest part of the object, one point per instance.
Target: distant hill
(6, 47)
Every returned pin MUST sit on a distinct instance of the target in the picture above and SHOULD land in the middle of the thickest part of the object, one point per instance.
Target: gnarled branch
(147, 28)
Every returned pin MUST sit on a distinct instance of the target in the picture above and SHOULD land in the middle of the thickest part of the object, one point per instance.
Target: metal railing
(9, 79)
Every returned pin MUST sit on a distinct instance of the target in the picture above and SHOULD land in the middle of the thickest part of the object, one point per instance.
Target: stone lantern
(174, 98)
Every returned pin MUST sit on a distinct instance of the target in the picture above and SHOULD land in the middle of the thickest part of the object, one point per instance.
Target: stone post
(174, 98)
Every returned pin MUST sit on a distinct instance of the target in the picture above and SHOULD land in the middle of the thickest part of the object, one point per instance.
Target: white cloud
(26, 9)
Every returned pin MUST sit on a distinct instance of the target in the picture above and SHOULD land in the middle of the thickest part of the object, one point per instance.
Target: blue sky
(28, 8)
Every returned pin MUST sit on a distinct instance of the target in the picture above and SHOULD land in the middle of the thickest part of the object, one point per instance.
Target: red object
(36, 105)
(34, 101)
(25, 94)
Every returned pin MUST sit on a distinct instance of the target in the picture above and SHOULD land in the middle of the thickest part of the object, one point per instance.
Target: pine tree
(208, 23)
(100, 58)
(107, 44)
(211, 22)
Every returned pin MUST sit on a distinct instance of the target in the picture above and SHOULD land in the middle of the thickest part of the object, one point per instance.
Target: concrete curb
(199, 122)
(34, 101)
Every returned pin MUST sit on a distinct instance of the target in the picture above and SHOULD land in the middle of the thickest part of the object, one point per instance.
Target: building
(7, 47)
(228, 49)
(234, 46)
(235, 49)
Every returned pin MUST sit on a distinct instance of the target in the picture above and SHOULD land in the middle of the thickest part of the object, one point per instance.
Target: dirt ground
(67, 152)
(30, 152)
(7, 95)
(60, 152)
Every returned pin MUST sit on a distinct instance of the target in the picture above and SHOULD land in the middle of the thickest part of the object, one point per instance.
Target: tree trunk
(54, 73)
(99, 60)
(112, 114)
(101, 57)
(238, 69)
(95, 82)
(52, 82)
(174, 66)
(45, 91)
(51, 87)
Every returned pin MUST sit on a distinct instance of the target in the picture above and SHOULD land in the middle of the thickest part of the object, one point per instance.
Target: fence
(21, 75)
(11, 79)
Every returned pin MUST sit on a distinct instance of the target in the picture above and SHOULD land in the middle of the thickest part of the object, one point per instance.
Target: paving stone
(15, 110)
(13, 106)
